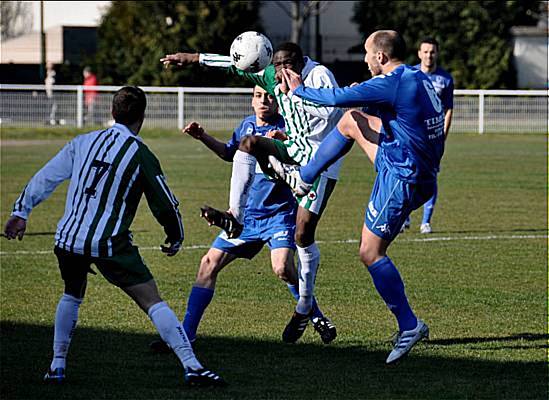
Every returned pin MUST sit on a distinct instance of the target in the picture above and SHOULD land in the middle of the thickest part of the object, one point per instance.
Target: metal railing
(482, 111)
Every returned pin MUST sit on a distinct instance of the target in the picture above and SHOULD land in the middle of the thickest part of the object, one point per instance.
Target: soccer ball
(251, 51)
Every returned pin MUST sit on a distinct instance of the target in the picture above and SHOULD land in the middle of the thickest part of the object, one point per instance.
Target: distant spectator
(90, 79)
(48, 83)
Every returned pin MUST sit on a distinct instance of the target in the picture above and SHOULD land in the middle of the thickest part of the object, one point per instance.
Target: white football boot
(406, 340)
(290, 174)
(425, 228)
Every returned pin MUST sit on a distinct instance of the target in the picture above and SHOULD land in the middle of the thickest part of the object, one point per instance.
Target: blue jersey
(411, 141)
(267, 197)
(444, 86)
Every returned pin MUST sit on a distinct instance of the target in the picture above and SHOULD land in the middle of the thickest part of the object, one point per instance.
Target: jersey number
(101, 168)
(433, 96)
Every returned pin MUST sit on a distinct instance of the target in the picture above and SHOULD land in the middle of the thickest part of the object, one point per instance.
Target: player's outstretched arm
(180, 59)
(219, 148)
(44, 182)
(318, 78)
(336, 97)
(207, 59)
(266, 80)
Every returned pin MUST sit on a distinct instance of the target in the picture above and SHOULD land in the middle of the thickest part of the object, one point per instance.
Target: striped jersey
(307, 123)
(109, 171)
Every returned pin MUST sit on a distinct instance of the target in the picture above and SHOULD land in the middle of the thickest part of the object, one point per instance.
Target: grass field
(480, 281)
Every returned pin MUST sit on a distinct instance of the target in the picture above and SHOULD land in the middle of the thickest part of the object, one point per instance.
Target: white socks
(66, 318)
(308, 261)
(172, 332)
(163, 318)
(241, 180)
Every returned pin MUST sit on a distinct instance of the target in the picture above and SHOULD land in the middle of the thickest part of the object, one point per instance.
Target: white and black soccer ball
(251, 51)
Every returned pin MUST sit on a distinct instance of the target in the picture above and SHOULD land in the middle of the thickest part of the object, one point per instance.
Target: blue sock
(389, 285)
(429, 207)
(316, 310)
(198, 301)
(332, 148)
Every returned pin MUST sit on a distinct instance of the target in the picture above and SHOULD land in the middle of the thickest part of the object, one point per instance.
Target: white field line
(347, 241)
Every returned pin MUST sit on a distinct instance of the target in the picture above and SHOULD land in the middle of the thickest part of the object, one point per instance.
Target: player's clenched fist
(15, 228)
(276, 134)
(194, 130)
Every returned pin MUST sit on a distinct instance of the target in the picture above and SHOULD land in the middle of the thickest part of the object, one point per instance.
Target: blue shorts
(277, 232)
(391, 202)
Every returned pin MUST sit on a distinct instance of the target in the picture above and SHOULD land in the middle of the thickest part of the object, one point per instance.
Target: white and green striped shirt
(307, 124)
(109, 171)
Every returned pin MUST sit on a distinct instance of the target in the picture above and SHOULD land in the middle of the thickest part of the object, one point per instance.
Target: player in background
(109, 171)
(269, 218)
(444, 86)
(402, 133)
(307, 124)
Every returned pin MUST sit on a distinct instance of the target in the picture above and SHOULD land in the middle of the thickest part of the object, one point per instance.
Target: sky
(75, 13)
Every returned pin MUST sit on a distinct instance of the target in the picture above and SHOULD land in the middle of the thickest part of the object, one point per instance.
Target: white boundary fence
(482, 111)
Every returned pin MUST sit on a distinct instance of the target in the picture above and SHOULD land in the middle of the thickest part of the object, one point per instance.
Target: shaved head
(389, 42)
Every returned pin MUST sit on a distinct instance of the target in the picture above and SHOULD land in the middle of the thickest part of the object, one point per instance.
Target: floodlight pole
(42, 44)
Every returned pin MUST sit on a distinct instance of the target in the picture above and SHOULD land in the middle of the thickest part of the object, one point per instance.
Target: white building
(530, 56)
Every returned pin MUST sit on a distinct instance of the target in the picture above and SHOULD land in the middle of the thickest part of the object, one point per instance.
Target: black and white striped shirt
(109, 171)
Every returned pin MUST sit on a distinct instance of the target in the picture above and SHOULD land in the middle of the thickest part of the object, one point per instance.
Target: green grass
(483, 291)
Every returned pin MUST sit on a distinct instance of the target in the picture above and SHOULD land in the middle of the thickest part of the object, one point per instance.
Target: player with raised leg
(269, 218)
(402, 133)
(307, 124)
(109, 171)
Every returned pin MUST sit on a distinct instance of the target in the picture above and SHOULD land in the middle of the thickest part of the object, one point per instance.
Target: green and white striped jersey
(307, 123)
(109, 171)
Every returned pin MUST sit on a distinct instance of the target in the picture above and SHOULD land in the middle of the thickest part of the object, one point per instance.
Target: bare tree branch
(300, 12)
(323, 7)
(281, 6)
(15, 18)
(310, 8)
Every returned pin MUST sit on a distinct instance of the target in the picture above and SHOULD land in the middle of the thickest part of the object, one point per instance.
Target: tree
(16, 18)
(475, 36)
(134, 35)
(299, 12)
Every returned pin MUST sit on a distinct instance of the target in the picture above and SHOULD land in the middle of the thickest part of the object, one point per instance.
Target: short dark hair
(391, 43)
(290, 47)
(429, 40)
(128, 105)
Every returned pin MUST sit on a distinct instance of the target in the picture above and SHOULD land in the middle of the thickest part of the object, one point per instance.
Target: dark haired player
(109, 171)
(307, 124)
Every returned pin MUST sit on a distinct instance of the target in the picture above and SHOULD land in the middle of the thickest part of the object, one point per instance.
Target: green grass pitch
(479, 281)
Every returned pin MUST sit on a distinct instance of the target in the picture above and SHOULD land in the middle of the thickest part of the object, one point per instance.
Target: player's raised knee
(247, 143)
(349, 124)
(355, 124)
